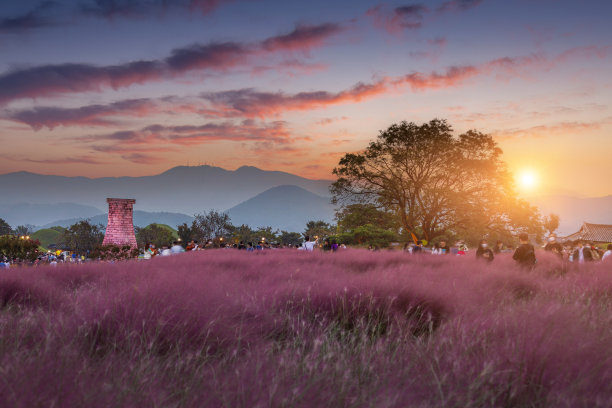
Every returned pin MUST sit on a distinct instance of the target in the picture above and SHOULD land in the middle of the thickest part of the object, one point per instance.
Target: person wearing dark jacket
(525, 253)
(553, 246)
(583, 253)
(484, 252)
(443, 249)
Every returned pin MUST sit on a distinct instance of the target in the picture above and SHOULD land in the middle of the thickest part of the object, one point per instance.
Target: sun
(528, 179)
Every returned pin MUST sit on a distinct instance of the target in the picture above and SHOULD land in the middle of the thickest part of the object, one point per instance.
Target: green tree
(212, 225)
(357, 215)
(16, 247)
(318, 229)
(267, 233)
(83, 237)
(290, 238)
(187, 233)
(155, 234)
(5, 228)
(243, 233)
(22, 230)
(368, 234)
(434, 182)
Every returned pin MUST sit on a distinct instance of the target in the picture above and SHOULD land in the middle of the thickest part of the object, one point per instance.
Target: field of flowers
(223, 328)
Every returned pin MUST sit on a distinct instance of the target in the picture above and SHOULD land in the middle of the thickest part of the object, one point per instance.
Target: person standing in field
(484, 252)
(499, 246)
(308, 244)
(525, 253)
(443, 249)
(177, 248)
(608, 254)
(334, 245)
(553, 246)
(583, 253)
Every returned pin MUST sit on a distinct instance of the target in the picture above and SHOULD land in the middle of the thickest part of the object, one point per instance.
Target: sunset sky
(134, 87)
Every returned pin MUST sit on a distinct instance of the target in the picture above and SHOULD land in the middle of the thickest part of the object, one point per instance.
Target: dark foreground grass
(282, 329)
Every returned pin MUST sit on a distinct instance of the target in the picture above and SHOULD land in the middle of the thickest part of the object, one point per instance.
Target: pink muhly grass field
(223, 328)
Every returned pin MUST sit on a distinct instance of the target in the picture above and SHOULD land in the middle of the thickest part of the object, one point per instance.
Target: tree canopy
(156, 234)
(5, 228)
(82, 236)
(318, 229)
(435, 182)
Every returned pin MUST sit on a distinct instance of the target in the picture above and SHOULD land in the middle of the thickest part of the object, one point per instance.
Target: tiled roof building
(593, 233)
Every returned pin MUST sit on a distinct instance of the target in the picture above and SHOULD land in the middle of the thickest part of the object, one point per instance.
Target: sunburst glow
(528, 180)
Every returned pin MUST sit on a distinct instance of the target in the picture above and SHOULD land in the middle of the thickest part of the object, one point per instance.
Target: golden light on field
(527, 180)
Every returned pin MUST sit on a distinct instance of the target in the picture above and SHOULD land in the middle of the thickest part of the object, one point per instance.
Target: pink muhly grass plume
(282, 327)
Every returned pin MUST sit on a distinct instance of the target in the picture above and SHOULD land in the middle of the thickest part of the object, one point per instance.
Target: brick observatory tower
(120, 227)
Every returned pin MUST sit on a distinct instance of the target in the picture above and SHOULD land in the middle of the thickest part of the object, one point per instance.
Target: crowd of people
(308, 245)
(525, 254)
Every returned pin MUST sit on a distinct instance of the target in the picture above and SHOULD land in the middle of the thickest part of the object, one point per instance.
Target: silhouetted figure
(499, 246)
(553, 246)
(583, 253)
(484, 252)
(525, 253)
(443, 249)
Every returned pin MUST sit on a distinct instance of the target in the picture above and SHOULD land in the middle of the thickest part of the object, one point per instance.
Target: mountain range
(285, 207)
(187, 190)
(250, 195)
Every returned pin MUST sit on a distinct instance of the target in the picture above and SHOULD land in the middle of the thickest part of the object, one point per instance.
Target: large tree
(158, 235)
(83, 236)
(24, 230)
(212, 225)
(357, 215)
(5, 228)
(434, 182)
(318, 229)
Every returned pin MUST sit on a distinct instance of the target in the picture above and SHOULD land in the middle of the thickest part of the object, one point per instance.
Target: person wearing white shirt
(608, 253)
(176, 248)
(309, 245)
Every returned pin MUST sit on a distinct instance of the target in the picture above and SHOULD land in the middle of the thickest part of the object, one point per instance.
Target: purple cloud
(111, 9)
(54, 80)
(459, 5)
(303, 37)
(90, 115)
(35, 18)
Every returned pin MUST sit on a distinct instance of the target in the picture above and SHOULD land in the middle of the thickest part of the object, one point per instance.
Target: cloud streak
(60, 79)
(137, 145)
(251, 103)
(34, 19)
(413, 15)
(90, 115)
(113, 9)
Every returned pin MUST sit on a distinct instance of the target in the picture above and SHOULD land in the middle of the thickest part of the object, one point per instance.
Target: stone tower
(120, 227)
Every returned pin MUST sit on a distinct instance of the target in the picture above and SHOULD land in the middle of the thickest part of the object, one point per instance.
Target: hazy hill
(141, 219)
(41, 214)
(47, 236)
(574, 211)
(187, 190)
(285, 207)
